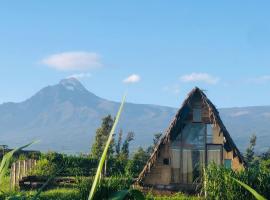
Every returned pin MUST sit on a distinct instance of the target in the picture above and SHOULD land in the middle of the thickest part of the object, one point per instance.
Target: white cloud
(80, 75)
(267, 114)
(77, 60)
(174, 89)
(134, 78)
(240, 113)
(199, 77)
(261, 79)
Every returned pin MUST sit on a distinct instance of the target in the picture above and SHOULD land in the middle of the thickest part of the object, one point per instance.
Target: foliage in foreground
(177, 196)
(55, 194)
(106, 187)
(74, 194)
(6, 160)
(220, 185)
(97, 180)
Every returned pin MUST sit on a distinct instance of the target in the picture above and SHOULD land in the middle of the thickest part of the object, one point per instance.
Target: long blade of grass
(251, 190)
(7, 159)
(104, 154)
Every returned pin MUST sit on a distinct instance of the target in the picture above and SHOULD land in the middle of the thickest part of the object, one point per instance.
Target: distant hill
(65, 116)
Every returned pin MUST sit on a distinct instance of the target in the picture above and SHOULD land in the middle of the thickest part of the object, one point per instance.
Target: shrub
(106, 187)
(219, 184)
(44, 168)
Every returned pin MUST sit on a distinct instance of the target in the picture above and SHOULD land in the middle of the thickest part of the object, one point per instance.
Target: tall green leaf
(7, 159)
(104, 154)
(251, 190)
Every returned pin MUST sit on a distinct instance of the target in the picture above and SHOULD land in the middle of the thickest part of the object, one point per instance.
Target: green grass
(59, 194)
(177, 196)
(74, 194)
(4, 185)
(54, 194)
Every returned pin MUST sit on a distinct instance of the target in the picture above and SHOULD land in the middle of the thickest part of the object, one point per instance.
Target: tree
(102, 135)
(125, 146)
(136, 164)
(119, 162)
(119, 142)
(266, 155)
(156, 139)
(250, 154)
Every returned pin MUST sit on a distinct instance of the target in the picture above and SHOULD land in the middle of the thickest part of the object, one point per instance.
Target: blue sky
(164, 47)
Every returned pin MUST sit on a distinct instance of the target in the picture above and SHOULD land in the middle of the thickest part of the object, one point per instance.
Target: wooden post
(13, 176)
(24, 168)
(21, 169)
(17, 173)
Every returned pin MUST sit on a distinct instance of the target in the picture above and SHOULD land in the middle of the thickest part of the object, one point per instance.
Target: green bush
(105, 188)
(44, 168)
(219, 184)
(71, 165)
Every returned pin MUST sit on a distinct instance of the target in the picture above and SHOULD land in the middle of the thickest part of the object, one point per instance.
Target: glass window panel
(193, 144)
(193, 136)
(214, 154)
(197, 114)
(176, 158)
(228, 163)
(209, 135)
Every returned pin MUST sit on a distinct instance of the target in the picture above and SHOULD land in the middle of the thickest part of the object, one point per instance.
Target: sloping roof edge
(166, 138)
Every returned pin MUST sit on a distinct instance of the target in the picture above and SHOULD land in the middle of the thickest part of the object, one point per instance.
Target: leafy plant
(220, 183)
(251, 190)
(44, 168)
(7, 160)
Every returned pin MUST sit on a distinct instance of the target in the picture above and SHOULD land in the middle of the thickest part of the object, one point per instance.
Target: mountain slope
(65, 116)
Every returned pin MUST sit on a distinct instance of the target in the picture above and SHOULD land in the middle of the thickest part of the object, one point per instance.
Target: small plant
(5, 163)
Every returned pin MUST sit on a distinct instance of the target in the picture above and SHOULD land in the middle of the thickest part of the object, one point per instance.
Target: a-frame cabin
(195, 138)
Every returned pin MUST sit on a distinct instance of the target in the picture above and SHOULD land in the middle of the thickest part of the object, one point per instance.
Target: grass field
(73, 194)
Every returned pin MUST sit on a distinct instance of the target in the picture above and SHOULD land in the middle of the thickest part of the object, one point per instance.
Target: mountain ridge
(65, 116)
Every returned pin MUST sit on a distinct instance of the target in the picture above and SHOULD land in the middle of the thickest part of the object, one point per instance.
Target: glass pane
(228, 163)
(197, 114)
(193, 136)
(214, 154)
(209, 131)
(193, 143)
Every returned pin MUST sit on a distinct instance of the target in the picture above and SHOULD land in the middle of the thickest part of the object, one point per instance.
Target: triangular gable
(176, 126)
